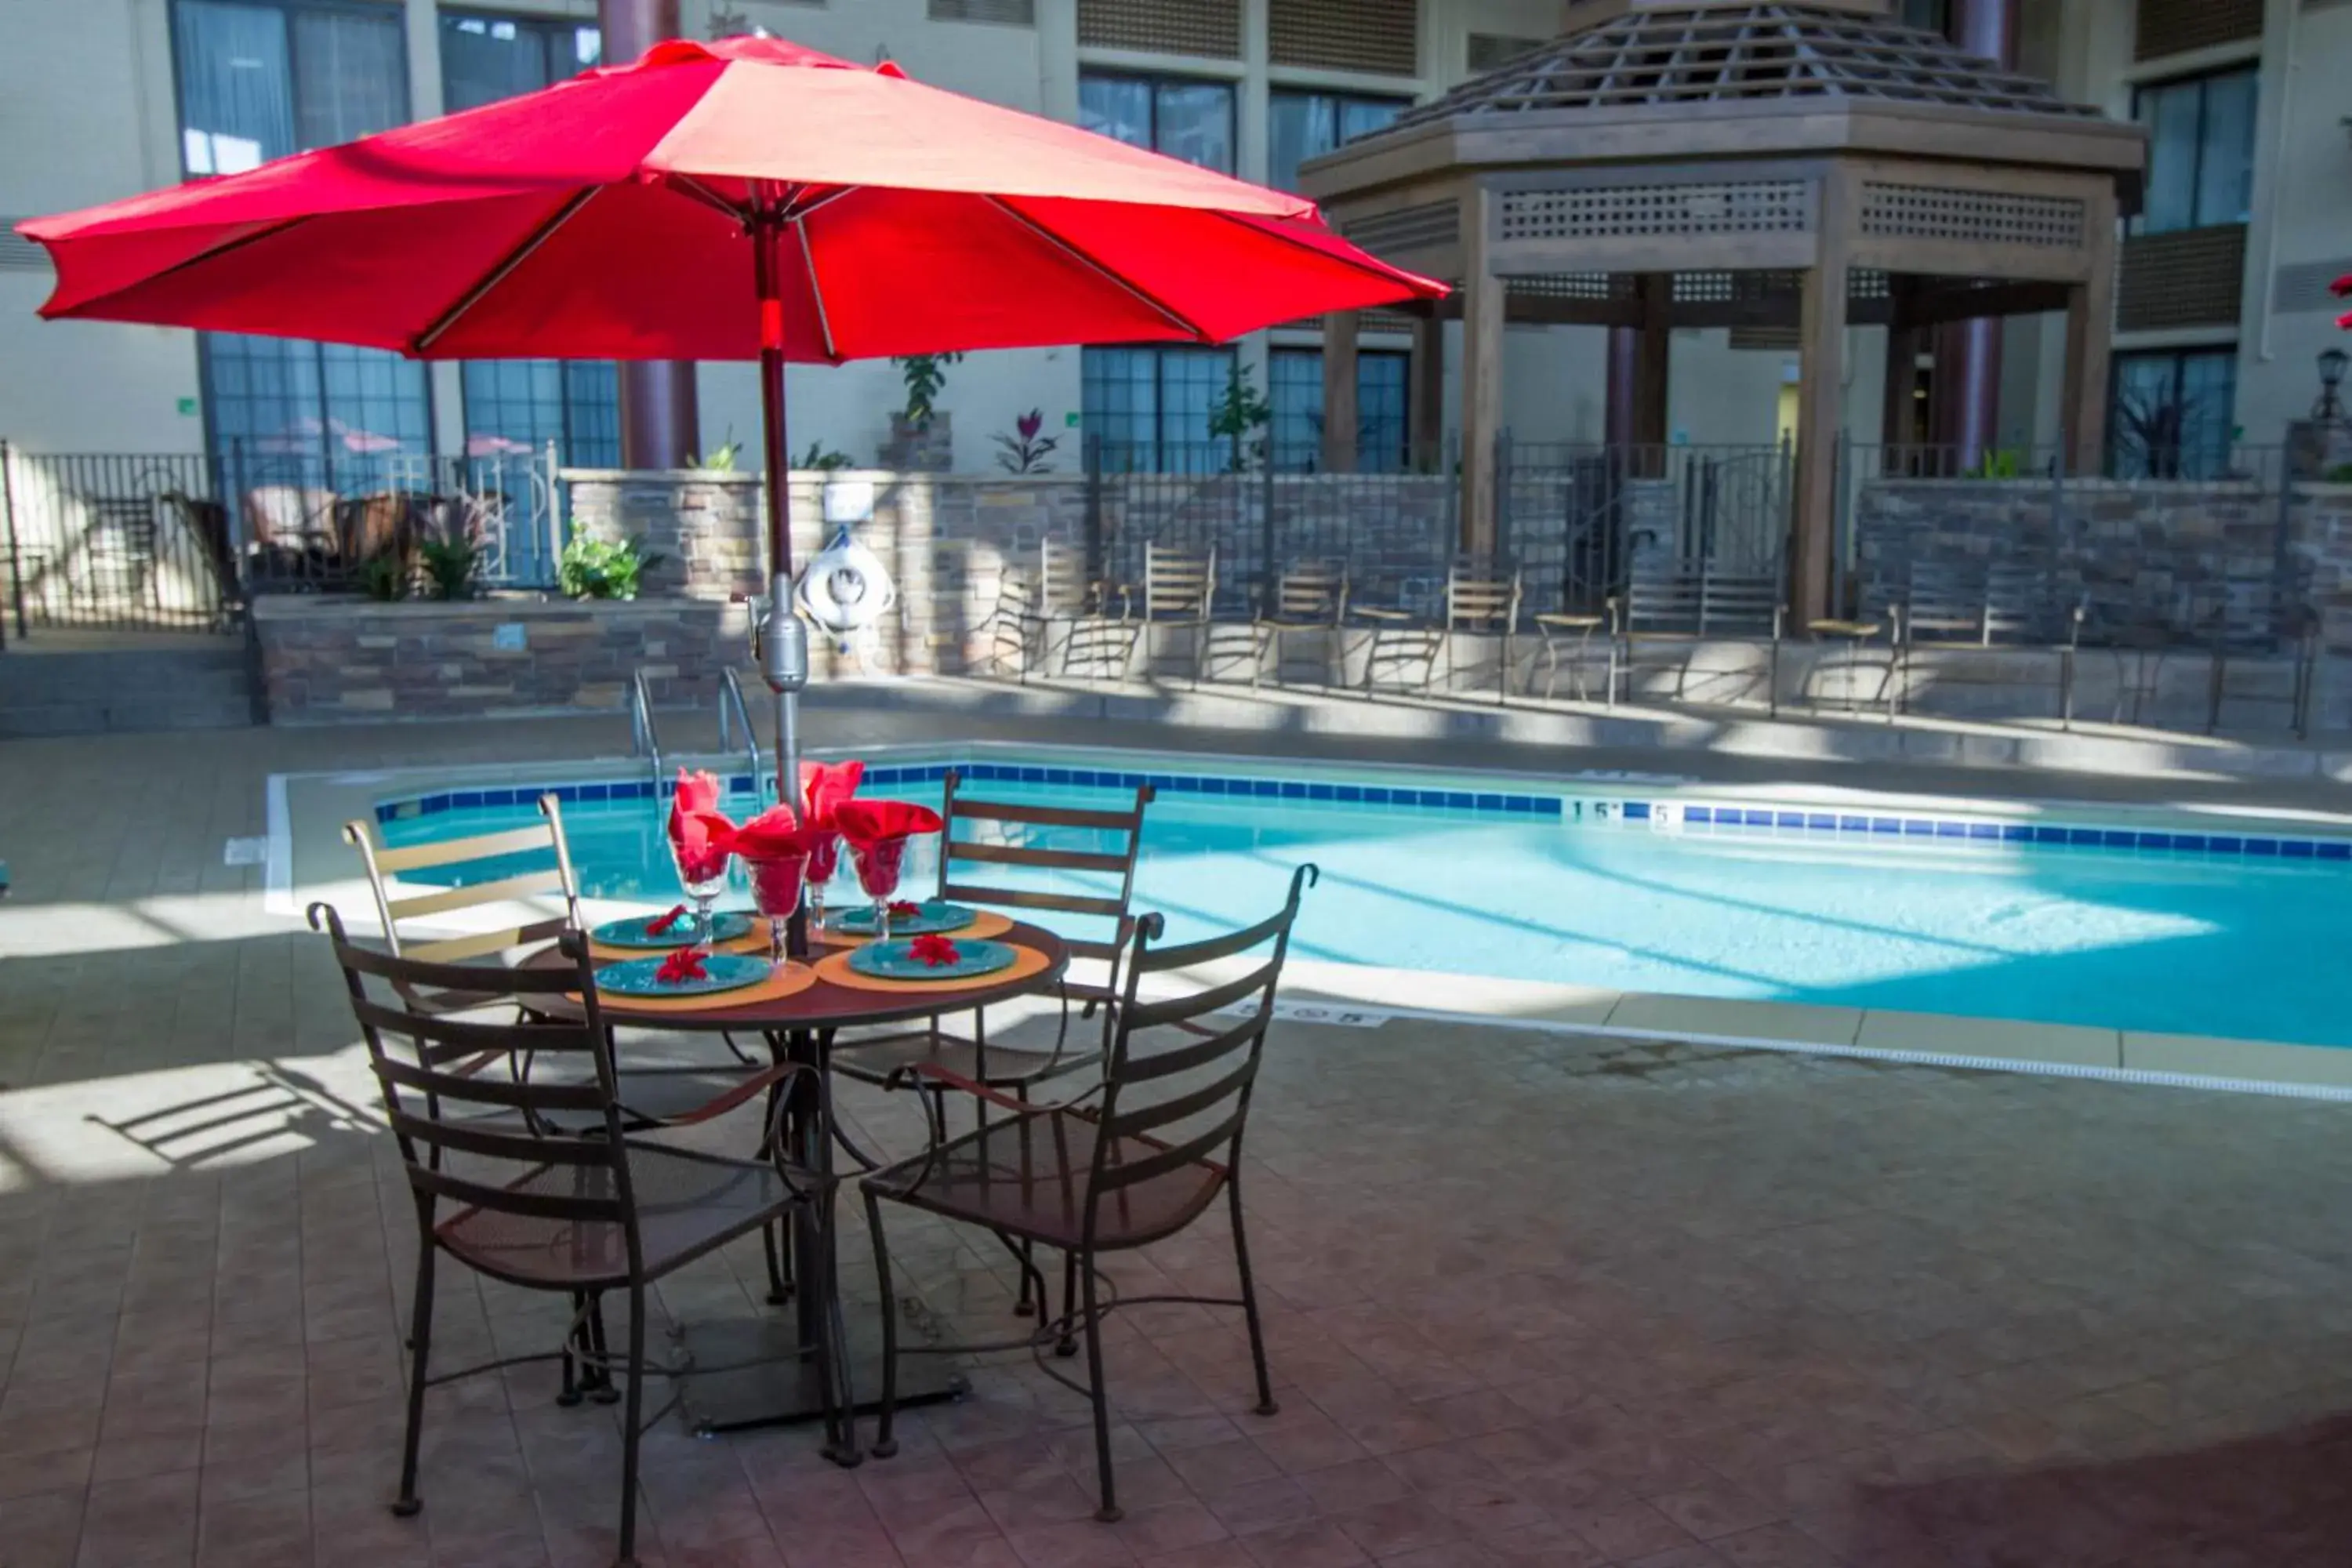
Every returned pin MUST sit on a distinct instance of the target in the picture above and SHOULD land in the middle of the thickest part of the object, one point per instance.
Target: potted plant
(1027, 449)
(592, 568)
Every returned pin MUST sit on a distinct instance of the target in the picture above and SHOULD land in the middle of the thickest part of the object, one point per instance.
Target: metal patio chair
(1179, 590)
(1164, 1144)
(2000, 604)
(1481, 599)
(1308, 599)
(536, 1183)
(1683, 603)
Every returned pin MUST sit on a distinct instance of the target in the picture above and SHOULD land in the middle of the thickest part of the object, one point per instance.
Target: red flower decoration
(905, 909)
(657, 927)
(679, 967)
(937, 951)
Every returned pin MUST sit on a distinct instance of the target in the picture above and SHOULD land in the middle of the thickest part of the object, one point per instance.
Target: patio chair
(1482, 599)
(1068, 596)
(1179, 588)
(1683, 603)
(586, 1212)
(1570, 632)
(1163, 1144)
(1999, 604)
(984, 867)
(1308, 599)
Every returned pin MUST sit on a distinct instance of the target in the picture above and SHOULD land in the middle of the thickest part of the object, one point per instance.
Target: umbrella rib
(215, 252)
(817, 292)
(1175, 317)
(521, 253)
(708, 197)
(1272, 233)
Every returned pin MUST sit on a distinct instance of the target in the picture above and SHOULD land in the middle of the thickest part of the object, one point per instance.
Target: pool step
(203, 686)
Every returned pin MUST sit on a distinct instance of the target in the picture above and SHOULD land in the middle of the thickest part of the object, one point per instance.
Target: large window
(1309, 125)
(1382, 399)
(260, 80)
(1180, 116)
(2174, 413)
(2201, 155)
(513, 406)
(1149, 407)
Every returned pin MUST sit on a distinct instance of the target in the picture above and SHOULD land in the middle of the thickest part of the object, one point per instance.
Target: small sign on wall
(511, 637)
(187, 407)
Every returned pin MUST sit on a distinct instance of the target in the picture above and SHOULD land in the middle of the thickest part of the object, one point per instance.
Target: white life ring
(845, 588)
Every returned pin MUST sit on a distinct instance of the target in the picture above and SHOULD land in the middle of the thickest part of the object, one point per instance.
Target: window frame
(1339, 102)
(547, 28)
(216, 444)
(1154, 81)
(2187, 459)
(1097, 440)
(2203, 82)
(1308, 458)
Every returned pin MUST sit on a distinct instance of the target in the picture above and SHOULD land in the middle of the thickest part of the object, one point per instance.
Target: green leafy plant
(2002, 465)
(452, 559)
(1027, 449)
(592, 568)
(1240, 409)
(926, 376)
(2341, 474)
(386, 577)
(721, 458)
(823, 459)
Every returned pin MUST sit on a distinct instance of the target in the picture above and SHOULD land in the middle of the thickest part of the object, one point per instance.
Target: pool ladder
(734, 717)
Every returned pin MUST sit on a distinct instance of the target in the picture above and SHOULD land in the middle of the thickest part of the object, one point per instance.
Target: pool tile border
(1695, 818)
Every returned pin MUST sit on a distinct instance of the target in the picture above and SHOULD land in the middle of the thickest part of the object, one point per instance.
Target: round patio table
(799, 1028)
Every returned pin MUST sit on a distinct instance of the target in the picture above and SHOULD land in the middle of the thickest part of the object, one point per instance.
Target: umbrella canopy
(608, 216)
(742, 199)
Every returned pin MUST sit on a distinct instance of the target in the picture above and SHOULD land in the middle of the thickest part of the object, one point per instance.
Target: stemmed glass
(823, 860)
(702, 872)
(879, 862)
(776, 883)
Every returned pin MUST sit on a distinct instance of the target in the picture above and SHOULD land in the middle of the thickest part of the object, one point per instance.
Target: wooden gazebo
(1730, 163)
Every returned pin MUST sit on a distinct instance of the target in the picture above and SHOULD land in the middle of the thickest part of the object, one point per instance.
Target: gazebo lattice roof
(1682, 54)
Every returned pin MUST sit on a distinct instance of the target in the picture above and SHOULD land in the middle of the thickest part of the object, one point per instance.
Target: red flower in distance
(681, 966)
(937, 951)
(658, 928)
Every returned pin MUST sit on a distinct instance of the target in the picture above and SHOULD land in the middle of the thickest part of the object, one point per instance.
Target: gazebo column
(1820, 414)
(1638, 358)
(2090, 320)
(1340, 331)
(1427, 392)
(1898, 412)
(1482, 302)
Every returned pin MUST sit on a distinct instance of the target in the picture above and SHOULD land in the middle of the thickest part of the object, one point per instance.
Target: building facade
(2221, 305)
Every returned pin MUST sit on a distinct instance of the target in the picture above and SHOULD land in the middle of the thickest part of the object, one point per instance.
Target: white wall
(86, 116)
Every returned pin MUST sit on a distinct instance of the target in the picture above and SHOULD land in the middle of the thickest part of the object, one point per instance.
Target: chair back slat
(1049, 859)
(512, 1142)
(1063, 589)
(1111, 1176)
(1178, 583)
(486, 1089)
(393, 908)
(483, 944)
(1145, 1091)
(1477, 593)
(1312, 594)
(526, 1204)
(1033, 898)
(1043, 816)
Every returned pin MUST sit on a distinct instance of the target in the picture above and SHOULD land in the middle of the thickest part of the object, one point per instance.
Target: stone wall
(2148, 557)
(336, 661)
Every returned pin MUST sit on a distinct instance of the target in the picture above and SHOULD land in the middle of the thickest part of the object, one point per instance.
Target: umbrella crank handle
(779, 639)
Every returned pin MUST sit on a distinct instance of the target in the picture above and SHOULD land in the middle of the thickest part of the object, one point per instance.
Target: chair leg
(597, 1378)
(1032, 1289)
(574, 1340)
(1066, 1345)
(885, 1419)
(840, 1397)
(420, 1340)
(778, 1248)
(1266, 1404)
(632, 1426)
(1108, 1513)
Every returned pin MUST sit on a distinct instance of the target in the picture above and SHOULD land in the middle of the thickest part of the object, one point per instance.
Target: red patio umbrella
(741, 199)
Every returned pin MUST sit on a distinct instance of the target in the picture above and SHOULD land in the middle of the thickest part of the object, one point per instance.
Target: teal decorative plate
(723, 971)
(895, 959)
(632, 933)
(937, 917)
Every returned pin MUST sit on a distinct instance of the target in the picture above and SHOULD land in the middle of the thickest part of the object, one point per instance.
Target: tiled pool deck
(1536, 1299)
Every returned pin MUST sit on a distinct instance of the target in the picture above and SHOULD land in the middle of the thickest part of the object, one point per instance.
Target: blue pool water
(2115, 927)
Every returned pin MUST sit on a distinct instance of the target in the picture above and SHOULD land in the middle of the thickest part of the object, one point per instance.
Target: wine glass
(823, 860)
(879, 862)
(702, 872)
(776, 883)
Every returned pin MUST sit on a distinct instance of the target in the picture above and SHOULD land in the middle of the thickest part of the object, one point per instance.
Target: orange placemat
(788, 980)
(985, 924)
(1026, 961)
(754, 942)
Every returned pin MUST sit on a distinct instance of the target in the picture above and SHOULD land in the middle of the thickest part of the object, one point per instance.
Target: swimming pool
(2231, 927)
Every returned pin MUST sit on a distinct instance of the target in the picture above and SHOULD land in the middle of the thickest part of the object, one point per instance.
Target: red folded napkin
(825, 785)
(680, 966)
(905, 908)
(937, 951)
(661, 926)
(773, 834)
(698, 827)
(872, 821)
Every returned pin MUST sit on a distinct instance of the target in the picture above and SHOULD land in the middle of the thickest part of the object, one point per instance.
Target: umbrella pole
(783, 641)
